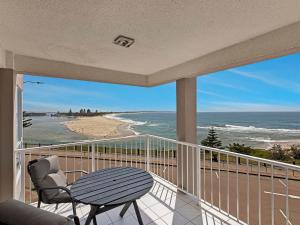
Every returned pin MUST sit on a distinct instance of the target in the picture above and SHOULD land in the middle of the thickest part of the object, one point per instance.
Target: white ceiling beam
(277, 43)
(51, 68)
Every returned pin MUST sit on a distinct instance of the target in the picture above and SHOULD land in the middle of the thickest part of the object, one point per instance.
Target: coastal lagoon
(257, 129)
(47, 130)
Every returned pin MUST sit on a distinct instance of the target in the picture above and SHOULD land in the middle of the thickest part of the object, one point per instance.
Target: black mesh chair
(50, 181)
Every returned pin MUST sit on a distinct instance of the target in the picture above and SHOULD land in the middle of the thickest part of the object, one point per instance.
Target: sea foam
(235, 128)
(131, 122)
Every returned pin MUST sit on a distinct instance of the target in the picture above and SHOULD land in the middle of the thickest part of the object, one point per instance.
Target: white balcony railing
(247, 189)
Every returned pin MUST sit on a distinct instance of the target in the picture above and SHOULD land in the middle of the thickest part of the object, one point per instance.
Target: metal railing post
(93, 157)
(148, 152)
(19, 175)
(198, 174)
(23, 172)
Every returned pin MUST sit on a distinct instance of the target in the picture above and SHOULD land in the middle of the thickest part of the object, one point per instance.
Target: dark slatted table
(109, 188)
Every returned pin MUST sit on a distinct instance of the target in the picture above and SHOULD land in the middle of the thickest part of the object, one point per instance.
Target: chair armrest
(53, 188)
(56, 187)
(76, 220)
(76, 171)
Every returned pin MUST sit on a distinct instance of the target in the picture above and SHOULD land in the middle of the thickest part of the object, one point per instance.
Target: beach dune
(99, 127)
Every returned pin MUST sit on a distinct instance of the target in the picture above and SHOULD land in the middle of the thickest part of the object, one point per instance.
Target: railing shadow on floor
(176, 201)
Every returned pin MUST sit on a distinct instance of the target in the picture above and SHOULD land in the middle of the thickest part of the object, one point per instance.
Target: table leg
(94, 220)
(138, 214)
(127, 205)
(92, 216)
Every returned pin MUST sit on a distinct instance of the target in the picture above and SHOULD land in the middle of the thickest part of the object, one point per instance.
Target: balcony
(193, 184)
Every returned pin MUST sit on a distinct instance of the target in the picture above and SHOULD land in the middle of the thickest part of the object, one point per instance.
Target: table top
(112, 186)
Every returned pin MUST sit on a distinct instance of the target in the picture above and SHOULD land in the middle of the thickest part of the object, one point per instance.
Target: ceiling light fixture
(123, 41)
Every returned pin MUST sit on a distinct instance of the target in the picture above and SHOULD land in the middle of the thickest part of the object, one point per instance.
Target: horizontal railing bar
(79, 143)
(104, 159)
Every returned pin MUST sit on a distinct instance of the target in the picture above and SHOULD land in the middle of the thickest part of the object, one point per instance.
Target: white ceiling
(167, 33)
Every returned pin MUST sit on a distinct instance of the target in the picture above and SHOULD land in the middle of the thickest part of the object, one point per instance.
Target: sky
(271, 85)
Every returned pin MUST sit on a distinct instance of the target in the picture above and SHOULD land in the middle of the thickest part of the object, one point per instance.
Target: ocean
(256, 129)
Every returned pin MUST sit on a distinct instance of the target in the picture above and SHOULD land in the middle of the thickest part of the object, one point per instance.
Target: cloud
(211, 94)
(255, 76)
(270, 80)
(220, 83)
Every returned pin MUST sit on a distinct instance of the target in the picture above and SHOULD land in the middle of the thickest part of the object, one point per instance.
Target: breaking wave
(245, 129)
(131, 122)
(267, 140)
(153, 125)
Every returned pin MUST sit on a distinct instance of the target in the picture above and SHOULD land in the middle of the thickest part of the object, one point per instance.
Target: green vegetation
(82, 112)
(295, 151)
(27, 114)
(239, 148)
(278, 153)
(247, 150)
(212, 141)
(291, 155)
(261, 153)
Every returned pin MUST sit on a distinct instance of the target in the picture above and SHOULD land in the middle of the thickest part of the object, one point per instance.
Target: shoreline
(99, 127)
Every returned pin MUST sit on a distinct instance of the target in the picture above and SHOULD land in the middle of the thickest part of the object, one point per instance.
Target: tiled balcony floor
(162, 205)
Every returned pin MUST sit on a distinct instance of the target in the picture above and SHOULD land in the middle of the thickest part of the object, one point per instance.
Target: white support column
(186, 92)
(8, 126)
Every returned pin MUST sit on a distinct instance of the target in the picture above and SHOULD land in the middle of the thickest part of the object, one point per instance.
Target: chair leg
(74, 208)
(39, 203)
(56, 207)
(94, 220)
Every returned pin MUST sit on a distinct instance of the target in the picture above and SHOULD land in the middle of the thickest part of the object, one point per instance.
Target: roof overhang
(58, 51)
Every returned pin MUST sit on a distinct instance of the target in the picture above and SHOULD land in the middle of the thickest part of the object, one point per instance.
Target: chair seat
(61, 198)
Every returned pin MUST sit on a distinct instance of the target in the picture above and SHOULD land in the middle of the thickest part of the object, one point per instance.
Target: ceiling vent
(123, 41)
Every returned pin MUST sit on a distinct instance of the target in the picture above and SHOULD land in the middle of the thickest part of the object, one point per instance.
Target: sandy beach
(99, 127)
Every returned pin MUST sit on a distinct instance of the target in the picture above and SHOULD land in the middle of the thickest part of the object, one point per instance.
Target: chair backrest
(45, 172)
